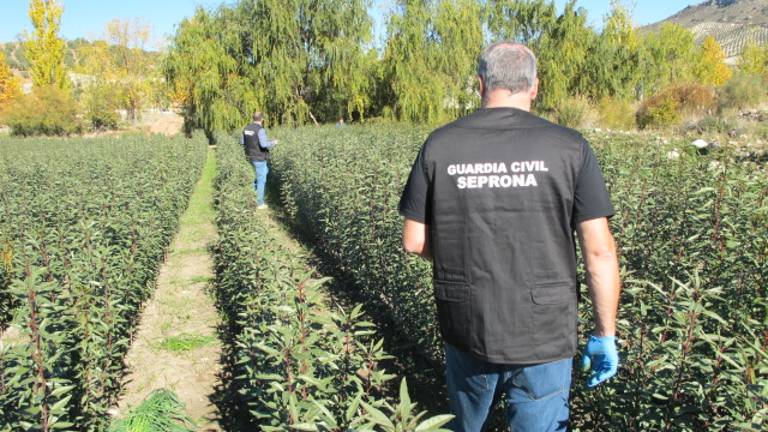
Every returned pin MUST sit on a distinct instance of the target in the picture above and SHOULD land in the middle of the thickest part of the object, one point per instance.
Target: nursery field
(693, 238)
(84, 225)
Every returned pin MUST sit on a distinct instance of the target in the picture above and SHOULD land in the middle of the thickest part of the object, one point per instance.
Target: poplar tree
(131, 71)
(711, 68)
(45, 49)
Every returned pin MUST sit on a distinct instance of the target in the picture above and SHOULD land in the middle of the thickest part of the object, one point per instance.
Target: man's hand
(416, 238)
(602, 271)
(601, 357)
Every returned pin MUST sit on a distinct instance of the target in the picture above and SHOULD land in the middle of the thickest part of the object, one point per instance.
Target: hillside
(74, 57)
(733, 23)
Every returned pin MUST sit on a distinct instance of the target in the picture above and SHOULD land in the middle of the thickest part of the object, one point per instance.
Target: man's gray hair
(507, 65)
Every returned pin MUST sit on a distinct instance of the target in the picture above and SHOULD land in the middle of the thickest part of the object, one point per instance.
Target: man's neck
(521, 101)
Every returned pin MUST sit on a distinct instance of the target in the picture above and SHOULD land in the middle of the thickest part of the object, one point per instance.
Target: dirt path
(176, 346)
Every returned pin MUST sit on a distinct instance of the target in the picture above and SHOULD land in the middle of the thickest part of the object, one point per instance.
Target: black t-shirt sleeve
(415, 203)
(591, 198)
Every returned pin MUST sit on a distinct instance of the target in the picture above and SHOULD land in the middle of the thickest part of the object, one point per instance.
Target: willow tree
(342, 30)
(560, 42)
(459, 31)
(415, 91)
(307, 55)
(564, 52)
(524, 21)
(45, 49)
(198, 69)
(615, 60)
(279, 60)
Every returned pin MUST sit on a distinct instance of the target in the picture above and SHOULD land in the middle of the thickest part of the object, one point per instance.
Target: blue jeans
(536, 395)
(261, 180)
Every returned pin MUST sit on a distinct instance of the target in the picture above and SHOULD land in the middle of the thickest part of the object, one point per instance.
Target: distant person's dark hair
(258, 116)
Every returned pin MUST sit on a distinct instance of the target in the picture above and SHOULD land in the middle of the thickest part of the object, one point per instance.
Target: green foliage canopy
(296, 60)
(312, 60)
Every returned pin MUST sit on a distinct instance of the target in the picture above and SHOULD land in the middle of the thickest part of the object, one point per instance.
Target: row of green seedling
(84, 224)
(297, 362)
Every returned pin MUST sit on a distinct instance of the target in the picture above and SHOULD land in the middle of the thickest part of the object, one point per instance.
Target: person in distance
(257, 146)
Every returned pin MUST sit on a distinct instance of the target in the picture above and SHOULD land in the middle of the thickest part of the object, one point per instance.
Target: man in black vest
(493, 200)
(257, 147)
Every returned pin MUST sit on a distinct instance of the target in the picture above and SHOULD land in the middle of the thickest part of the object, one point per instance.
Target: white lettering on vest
(486, 174)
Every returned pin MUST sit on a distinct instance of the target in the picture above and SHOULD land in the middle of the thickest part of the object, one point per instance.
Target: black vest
(253, 148)
(502, 237)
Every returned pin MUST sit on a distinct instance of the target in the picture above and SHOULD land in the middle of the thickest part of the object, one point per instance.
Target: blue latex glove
(601, 357)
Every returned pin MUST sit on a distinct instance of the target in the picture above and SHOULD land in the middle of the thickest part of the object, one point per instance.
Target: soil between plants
(181, 310)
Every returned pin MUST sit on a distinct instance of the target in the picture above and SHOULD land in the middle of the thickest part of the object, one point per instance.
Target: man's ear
(535, 90)
(481, 85)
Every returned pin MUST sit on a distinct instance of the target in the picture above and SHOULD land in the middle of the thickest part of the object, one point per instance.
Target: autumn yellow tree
(131, 70)
(101, 97)
(45, 49)
(10, 86)
(712, 69)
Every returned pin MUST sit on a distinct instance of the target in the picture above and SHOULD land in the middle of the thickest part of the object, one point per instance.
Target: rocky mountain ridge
(733, 23)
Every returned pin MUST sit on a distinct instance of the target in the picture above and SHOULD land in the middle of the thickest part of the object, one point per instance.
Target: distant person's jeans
(536, 395)
(261, 180)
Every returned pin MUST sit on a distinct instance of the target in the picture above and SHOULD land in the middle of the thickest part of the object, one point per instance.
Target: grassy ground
(176, 346)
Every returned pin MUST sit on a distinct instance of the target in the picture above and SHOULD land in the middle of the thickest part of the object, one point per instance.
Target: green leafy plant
(185, 342)
(575, 112)
(693, 249)
(85, 224)
(297, 362)
(161, 411)
(403, 417)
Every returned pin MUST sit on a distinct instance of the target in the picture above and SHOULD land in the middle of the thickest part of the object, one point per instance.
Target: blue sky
(87, 18)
